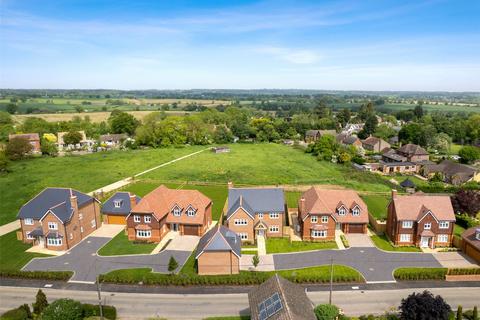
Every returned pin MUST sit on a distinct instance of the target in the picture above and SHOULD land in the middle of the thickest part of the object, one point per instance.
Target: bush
(463, 271)
(17, 148)
(326, 312)
(465, 221)
(46, 275)
(91, 310)
(420, 273)
(16, 314)
(40, 302)
(344, 241)
(63, 309)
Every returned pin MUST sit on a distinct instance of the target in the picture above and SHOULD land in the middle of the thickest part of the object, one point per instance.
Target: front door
(261, 232)
(174, 227)
(424, 242)
(338, 226)
(41, 241)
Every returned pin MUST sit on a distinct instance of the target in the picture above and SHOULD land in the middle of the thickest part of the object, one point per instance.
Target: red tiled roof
(28, 136)
(414, 207)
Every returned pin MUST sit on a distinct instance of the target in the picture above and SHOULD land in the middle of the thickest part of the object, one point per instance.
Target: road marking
(48, 285)
(77, 281)
(389, 281)
(355, 288)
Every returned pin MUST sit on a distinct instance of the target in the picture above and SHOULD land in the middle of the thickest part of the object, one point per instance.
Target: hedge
(431, 273)
(15, 314)
(463, 271)
(465, 221)
(46, 275)
(92, 310)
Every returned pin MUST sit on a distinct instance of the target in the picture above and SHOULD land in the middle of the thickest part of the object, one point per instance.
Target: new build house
(58, 218)
(116, 209)
(188, 212)
(253, 212)
(420, 220)
(322, 212)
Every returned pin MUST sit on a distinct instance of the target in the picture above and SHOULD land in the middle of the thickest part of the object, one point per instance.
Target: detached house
(322, 212)
(253, 212)
(188, 212)
(58, 218)
(420, 220)
(314, 135)
(116, 209)
(413, 153)
(375, 144)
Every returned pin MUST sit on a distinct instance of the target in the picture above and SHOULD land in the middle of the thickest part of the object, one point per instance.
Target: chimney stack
(394, 193)
(230, 184)
(133, 201)
(73, 202)
(302, 204)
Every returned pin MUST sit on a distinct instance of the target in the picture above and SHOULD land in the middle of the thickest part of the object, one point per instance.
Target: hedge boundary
(432, 273)
(45, 275)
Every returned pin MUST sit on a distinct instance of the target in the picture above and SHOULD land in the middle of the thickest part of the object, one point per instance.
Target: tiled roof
(412, 149)
(371, 141)
(113, 137)
(28, 136)
(469, 236)
(413, 207)
(125, 207)
(407, 183)
(256, 200)
(219, 238)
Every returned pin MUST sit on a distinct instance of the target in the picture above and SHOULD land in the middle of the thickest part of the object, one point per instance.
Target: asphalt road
(198, 306)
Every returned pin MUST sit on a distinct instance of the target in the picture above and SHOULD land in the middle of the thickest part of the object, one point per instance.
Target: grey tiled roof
(219, 238)
(256, 200)
(55, 199)
(125, 207)
(407, 183)
(295, 303)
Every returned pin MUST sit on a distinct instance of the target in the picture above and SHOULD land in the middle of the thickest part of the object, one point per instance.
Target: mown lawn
(218, 193)
(292, 198)
(383, 243)
(377, 205)
(282, 245)
(12, 252)
(458, 230)
(120, 245)
(85, 173)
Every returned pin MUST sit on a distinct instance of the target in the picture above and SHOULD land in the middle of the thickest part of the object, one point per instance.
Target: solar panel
(269, 306)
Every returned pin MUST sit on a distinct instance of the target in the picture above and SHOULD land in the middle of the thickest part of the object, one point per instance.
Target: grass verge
(120, 245)
(283, 245)
(382, 242)
(12, 252)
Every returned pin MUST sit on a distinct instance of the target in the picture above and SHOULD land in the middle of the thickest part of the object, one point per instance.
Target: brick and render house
(58, 218)
(188, 212)
(348, 140)
(420, 220)
(413, 153)
(471, 243)
(314, 135)
(253, 212)
(375, 144)
(219, 252)
(116, 209)
(408, 159)
(322, 212)
(113, 140)
(452, 172)
(32, 138)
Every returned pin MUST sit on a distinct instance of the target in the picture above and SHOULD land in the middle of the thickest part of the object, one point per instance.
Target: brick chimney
(230, 184)
(301, 207)
(394, 193)
(73, 202)
(133, 200)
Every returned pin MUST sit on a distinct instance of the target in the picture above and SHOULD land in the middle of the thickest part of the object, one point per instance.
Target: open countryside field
(389, 107)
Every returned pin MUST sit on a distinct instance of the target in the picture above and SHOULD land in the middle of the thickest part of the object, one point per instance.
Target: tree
(3, 162)
(255, 260)
(442, 142)
(5, 118)
(18, 148)
(424, 306)
(172, 265)
(63, 309)
(79, 109)
(466, 201)
(475, 313)
(222, 135)
(72, 137)
(469, 154)
(11, 108)
(369, 128)
(459, 313)
(326, 312)
(384, 131)
(325, 147)
(343, 116)
(40, 302)
(418, 111)
(122, 122)
(366, 110)
(48, 147)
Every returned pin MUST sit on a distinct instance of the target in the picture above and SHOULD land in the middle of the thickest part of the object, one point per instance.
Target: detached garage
(116, 209)
(471, 243)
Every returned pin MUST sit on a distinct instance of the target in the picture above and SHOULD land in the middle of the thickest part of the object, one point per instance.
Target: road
(198, 306)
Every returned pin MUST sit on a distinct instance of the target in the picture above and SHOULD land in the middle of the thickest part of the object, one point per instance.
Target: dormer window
(356, 211)
(117, 203)
(190, 212)
(342, 211)
(176, 211)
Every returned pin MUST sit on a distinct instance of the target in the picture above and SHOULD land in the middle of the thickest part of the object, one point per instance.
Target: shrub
(420, 273)
(344, 241)
(463, 271)
(424, 306)
(15, 314)
(63, 309)
(459, 313)
(46, 275)
(91, 310)
(40, 302)
(17, 148)
(465, 221)
(326, 312)
(172, 264)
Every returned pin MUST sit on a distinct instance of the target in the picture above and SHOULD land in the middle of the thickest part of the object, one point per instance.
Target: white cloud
(296, 56)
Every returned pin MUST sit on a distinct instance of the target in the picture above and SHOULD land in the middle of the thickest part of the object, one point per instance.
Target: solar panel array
(269, 307)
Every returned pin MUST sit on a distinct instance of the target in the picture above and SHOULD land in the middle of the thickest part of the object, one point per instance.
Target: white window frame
(319, 233)
(342, 211)
(405, 237)
(356, 211)
(81, 229)
(117, 203)
(240, 222)
(177, 211)
(136, 218)
(477, 236)
(54, 242)
(147, 219)
(427, 226)
(52, 226)
(28, 236)
(93, 223)
(407, 224)
(71, 236)
(443, 224)
(144, 233)
(260, 215)
(324, 219)
(274, 215)
(274, 229)
(80, 216)
(190, 212)
(442, 237)
(313, 219)
(243, 236)
(28, 221)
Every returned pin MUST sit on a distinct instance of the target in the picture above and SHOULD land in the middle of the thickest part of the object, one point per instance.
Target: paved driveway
(359, 240)
(86, 265)
(375, 265)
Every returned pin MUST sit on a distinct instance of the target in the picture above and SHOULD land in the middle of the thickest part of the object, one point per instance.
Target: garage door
(116, 219)
(190, 230)
(472, 252)
(355, 228)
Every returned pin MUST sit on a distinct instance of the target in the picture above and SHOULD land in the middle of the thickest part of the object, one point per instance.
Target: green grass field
(12, 252)
(383, 243)
(283, 245)
(120, 245)
(377, 205)
(84, 173)
(292, 198)
(403, 106)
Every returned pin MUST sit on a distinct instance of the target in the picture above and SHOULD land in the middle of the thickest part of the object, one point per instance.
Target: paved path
(86, 264)
(9, 227)
(359, 240)
(374, 264)
(261, 248)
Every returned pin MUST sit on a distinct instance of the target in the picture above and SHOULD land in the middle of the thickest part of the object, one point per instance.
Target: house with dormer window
(420, 220)
(322, 212)
(188, 212)
(116, 209)
(254, 212)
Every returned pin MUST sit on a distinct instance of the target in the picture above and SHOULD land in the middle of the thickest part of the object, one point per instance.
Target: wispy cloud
(296, 56)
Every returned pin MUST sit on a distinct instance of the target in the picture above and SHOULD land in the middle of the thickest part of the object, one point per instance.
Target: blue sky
(338, 45)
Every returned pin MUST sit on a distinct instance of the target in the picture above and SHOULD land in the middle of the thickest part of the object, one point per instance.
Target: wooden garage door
(116, 219)
(472, 252)
(355, 228)
(190, 230)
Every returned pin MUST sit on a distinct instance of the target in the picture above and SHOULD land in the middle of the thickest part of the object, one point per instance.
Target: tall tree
(418, 111)
(40, 302)
(424, 306)
(370, 126)
(18, 148)
(122, 122)
(343, 116)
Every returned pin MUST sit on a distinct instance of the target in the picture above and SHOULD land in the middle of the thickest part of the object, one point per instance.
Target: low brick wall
(468, 277)
(378, 226)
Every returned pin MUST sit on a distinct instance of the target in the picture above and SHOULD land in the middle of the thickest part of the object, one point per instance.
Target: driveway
(359, 240)
(86, 264)
(455, 260)
(375, 265)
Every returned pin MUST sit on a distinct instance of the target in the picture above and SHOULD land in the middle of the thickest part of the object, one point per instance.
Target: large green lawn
(85, 173)
(282, 245)
(120, 245)
(377, 205)
(382, 242)
(12, 252)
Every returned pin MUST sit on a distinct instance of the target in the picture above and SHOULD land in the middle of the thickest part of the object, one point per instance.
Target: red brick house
(413, 153)
(375, 144)
(32, 138)
(322, 212)
(58, 218)
(188, 212)
(420, 220)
